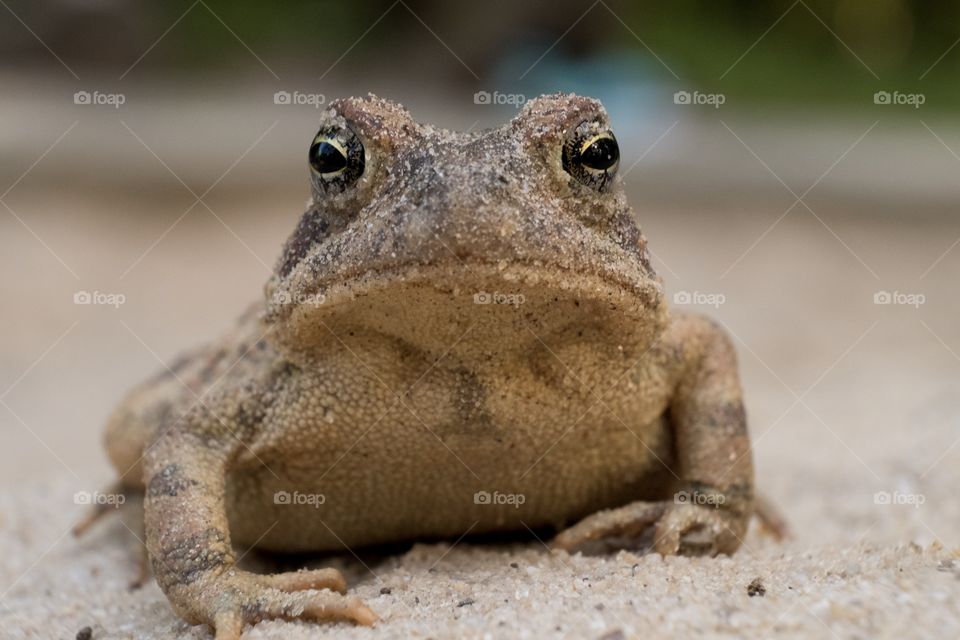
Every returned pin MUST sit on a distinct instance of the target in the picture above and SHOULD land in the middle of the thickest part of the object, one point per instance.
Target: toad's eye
(591, 156)
(336, 159)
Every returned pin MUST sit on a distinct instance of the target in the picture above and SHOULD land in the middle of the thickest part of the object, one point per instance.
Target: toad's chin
(473, 310)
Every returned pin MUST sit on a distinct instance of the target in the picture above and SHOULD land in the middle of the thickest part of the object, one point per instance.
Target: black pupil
(326, 158)
(601, 155)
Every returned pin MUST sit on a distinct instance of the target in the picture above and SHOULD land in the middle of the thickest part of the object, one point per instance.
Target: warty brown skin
(465, 320)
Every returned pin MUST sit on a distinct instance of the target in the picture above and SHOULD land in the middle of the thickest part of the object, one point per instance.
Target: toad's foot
(684, 529)
(230, 600)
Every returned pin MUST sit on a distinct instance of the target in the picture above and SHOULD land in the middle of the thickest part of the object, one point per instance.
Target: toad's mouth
(477, 307)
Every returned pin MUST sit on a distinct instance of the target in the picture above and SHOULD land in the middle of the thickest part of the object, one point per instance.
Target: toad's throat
(480, 314)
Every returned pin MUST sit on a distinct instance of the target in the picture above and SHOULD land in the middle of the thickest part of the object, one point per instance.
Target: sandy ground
(847, 399)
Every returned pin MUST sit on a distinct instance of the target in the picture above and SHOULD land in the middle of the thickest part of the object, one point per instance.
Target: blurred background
(794, 165)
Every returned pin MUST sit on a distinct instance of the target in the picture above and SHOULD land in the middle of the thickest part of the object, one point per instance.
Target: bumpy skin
(373, 374)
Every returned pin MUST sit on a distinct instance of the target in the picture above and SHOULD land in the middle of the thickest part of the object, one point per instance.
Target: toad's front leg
(712, 506)
(188, 540)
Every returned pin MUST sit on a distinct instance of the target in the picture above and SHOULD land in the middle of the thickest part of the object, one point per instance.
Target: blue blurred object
(633, 87)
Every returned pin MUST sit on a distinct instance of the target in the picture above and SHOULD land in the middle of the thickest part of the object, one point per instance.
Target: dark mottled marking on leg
(185, 561)
(726, 415)
(169, 482)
